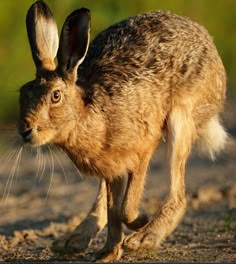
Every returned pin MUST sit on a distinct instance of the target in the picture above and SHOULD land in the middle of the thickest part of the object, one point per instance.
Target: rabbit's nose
(26, 134)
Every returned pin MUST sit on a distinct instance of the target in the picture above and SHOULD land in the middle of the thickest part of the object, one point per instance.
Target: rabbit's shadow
(32, 224)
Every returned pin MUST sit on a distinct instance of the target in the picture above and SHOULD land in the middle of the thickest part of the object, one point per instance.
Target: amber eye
(56, 96)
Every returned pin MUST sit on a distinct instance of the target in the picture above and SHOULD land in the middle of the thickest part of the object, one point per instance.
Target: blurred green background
(16, 65)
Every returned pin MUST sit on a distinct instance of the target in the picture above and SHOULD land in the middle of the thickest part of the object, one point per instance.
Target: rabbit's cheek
(44, 137)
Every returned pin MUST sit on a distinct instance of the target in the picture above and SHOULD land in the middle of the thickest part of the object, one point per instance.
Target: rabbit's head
(48, 103)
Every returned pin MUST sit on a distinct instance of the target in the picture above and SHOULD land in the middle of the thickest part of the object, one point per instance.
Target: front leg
(130, 206)
(83, 234)
(112, 249)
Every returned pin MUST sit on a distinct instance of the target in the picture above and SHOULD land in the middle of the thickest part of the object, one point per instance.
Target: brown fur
(148, 74)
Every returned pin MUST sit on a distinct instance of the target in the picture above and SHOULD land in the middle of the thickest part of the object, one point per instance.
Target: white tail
(212, 138)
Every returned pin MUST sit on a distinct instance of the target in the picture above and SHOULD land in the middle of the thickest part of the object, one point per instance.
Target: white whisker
(43, 167)
(37, 153)
(52, 172)
(38, 157)
(7, 158)
(60, 166)
(14, 170)
(19, 160)
(81, 176)
(11, 140)
(11, 175)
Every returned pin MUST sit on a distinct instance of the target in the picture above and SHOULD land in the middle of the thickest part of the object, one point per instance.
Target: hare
(108, 104)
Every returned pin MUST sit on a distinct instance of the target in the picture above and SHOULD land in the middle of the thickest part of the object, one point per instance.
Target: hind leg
(83, 234)
(179, 139)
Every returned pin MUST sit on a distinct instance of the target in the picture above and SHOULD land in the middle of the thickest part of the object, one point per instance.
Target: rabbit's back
(162, 48)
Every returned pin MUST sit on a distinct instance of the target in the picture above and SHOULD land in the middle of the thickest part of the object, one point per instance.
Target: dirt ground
(31, 217)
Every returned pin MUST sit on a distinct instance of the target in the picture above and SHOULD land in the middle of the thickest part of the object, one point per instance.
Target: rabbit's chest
(107, 165)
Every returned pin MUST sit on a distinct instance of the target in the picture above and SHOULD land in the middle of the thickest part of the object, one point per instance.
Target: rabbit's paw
(83, 235)
(59, 244)
(108, 254)
(75, 242)
(141, 240)
(79, 241)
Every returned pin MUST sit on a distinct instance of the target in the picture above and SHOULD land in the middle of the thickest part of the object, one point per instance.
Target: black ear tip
(84, 10)
(80, 12)
(39, 4)
(41, 8)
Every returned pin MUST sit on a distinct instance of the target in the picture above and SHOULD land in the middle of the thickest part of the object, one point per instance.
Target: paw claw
(108, 255)
(140, 240)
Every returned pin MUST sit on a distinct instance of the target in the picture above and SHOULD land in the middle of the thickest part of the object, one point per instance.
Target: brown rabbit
(150, 74)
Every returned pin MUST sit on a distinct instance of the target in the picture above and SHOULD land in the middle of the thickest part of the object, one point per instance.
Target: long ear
(43, 36)
(74, 41)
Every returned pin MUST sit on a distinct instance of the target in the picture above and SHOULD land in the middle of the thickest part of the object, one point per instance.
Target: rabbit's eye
(56, 96)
